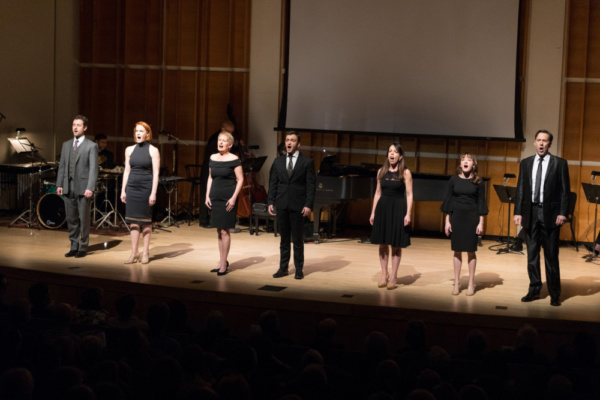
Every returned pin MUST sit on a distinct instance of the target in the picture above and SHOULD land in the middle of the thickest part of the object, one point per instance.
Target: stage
(341, 276)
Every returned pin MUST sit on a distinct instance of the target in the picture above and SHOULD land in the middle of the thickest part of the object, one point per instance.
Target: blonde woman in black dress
(465, 208)
(390, 217)
(140, 182)
(225, 181)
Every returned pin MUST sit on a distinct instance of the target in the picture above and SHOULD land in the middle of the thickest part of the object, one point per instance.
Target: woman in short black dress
(465, 208)
(140, 182)
(225, 181)
(391, 212)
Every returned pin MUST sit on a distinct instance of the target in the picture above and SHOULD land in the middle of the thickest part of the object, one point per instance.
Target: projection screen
(417, 67)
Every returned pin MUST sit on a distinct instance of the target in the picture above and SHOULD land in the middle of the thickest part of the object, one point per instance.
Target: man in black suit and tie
(541, 207)
(76, 180)
(291, 194)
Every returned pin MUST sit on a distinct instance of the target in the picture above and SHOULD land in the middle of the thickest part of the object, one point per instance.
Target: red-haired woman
(140, 182)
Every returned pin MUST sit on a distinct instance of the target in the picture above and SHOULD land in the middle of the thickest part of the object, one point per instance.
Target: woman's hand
(407, 220)
(124, 197)
(208, 203)
(230, 205)
(479, 229)
(372, 219)
(448, 229)
(152, 199)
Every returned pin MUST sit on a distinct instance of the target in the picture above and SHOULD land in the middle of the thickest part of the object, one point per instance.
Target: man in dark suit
(291, 194)
(541, 207)
(76, 180)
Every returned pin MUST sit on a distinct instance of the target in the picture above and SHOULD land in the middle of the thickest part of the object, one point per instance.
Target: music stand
(253, 164)
(507, 194)
(592, 194)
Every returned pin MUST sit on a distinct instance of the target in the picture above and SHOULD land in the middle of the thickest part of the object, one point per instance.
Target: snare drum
(51, 211)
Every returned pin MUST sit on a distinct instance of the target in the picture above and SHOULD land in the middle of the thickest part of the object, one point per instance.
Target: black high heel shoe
(217, 269)
(225, 272)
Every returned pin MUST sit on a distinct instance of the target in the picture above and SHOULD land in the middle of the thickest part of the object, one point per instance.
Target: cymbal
(101, 159)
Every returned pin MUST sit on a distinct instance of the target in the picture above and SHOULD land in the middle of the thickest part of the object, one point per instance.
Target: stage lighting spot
(196, 281)
(271, 288)
(501, 308)
(348, 296)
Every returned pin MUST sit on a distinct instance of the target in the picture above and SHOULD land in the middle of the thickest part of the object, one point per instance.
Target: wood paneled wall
(581, 119)
(175, 64)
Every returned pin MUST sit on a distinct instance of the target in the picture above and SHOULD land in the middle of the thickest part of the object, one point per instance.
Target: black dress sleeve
(448, 204)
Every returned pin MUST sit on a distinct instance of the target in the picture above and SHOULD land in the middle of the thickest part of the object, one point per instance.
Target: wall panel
(176, 64)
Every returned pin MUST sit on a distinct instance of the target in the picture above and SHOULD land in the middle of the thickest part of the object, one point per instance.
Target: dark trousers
(78, 212)
(538, 235)
(291, 228)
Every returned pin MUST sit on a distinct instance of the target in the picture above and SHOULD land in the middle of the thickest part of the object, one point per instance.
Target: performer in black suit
(292, 193)
(76, 180)
(541, 206)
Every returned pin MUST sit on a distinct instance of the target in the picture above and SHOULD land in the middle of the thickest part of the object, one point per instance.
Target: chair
(571, 216)
(261, 211)
(192, 174)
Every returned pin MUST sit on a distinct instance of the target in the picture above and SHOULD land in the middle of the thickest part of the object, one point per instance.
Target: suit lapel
(549, 171)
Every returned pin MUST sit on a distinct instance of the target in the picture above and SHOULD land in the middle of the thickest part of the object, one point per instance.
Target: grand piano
(338, 184)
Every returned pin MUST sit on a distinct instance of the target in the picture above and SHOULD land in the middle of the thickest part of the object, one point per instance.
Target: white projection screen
(416, 67)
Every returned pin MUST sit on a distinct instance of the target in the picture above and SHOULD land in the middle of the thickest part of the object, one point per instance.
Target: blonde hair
(475, 178)
(228, 135)
(146, 127)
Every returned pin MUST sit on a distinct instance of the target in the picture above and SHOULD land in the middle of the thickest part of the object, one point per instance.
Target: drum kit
(106, 214)
(47, 208)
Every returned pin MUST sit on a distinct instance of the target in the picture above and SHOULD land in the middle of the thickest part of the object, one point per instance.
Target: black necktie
(538, 181)
(290, 166)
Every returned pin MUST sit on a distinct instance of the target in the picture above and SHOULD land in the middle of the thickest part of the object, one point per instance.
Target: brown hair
(146, 127)
(386, 164)
(475, 178)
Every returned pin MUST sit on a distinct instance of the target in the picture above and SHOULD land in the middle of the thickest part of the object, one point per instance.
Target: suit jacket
(294, 192)
(556, 191)
(86, 167)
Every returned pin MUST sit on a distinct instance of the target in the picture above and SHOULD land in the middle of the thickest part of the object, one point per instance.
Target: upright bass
(252, 191)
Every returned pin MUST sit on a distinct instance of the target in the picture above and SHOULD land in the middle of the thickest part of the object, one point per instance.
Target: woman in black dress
(140, 182)
(225, 181)
(465, 208)
(391, 212)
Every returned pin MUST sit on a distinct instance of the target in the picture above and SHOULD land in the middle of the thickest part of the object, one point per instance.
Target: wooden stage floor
(340, 273)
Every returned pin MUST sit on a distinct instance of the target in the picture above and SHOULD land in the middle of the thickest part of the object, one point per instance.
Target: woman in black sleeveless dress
(465, 207)
(391, 212)
(140, 182)
(222, 189)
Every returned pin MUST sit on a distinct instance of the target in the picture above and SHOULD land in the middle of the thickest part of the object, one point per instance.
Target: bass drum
(51, 211)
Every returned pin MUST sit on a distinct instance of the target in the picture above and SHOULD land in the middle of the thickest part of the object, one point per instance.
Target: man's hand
(88, 194)
(305, 212)
(517, 219)
(59, 191)
(560, 219)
